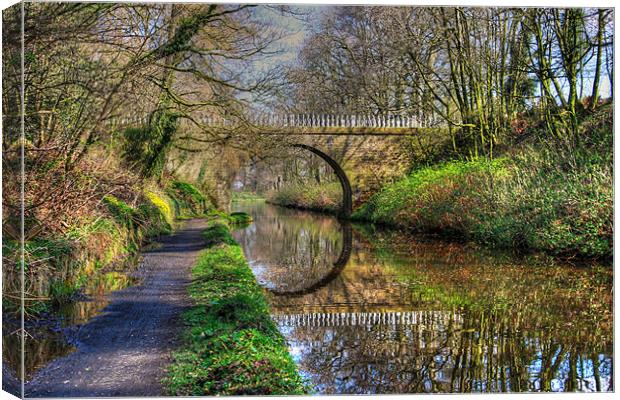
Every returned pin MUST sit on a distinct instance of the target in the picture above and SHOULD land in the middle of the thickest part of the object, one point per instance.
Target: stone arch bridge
(364, 151)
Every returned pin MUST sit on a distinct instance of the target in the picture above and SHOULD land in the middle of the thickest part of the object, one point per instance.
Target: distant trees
(477, 68)
(88, 65)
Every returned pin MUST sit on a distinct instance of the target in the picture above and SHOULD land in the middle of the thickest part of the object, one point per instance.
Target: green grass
(231, 345)
(218, 233)
(429, 198)
(240, 218)
(555, 197)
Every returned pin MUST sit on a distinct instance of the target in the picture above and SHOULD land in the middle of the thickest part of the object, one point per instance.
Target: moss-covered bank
(231, 345)
(57, 267)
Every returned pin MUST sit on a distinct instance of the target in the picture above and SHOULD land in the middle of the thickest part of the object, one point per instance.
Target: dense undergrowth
(187, 199)
(231, 345)
(57, 266)
(325, 197)
(555, 197)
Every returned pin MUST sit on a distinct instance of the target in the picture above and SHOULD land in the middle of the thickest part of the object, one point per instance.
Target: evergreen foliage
(147, 146)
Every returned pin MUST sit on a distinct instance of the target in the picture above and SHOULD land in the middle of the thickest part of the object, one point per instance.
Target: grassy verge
(552, 197)
(324, 198)
(232, 347)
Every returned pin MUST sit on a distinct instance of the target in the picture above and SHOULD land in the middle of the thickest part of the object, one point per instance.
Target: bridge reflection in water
(404, 315)
(421, 318)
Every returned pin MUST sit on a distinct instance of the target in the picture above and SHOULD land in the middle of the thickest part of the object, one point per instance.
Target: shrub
(325, 197)
(155, 215)
(162, 205)
(240, 218)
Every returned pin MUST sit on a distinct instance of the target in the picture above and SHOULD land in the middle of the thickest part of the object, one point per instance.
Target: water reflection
(51, 337)
(311, 243)
(338, 266)
(406, 315)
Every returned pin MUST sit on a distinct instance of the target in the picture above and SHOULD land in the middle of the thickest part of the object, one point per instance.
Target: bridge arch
(347, 195)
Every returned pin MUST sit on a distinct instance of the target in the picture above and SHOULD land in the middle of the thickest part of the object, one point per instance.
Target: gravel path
(124, 351)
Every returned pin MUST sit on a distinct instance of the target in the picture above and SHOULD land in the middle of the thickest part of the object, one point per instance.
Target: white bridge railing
(307, 121)
(344, 121)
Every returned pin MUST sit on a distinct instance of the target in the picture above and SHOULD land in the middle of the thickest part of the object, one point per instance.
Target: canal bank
(413, 314)
(230, 344)
(530, 196)
(354, 309)
(203, 304)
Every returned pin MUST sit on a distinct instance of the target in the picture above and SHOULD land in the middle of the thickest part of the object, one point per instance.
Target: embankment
(105, 236)
(557, 199)
(322, 198)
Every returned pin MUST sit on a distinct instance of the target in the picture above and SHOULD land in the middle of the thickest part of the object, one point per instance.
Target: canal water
(371, 311)
(53, 334)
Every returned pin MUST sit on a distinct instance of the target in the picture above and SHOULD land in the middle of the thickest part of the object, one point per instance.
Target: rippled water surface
(367, 311)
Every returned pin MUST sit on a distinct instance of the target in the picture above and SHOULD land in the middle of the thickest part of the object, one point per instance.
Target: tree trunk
(599, 59)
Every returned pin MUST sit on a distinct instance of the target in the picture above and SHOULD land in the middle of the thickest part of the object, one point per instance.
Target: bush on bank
(231, 345)
(240, 218)
(325, 197)
(556, 198)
